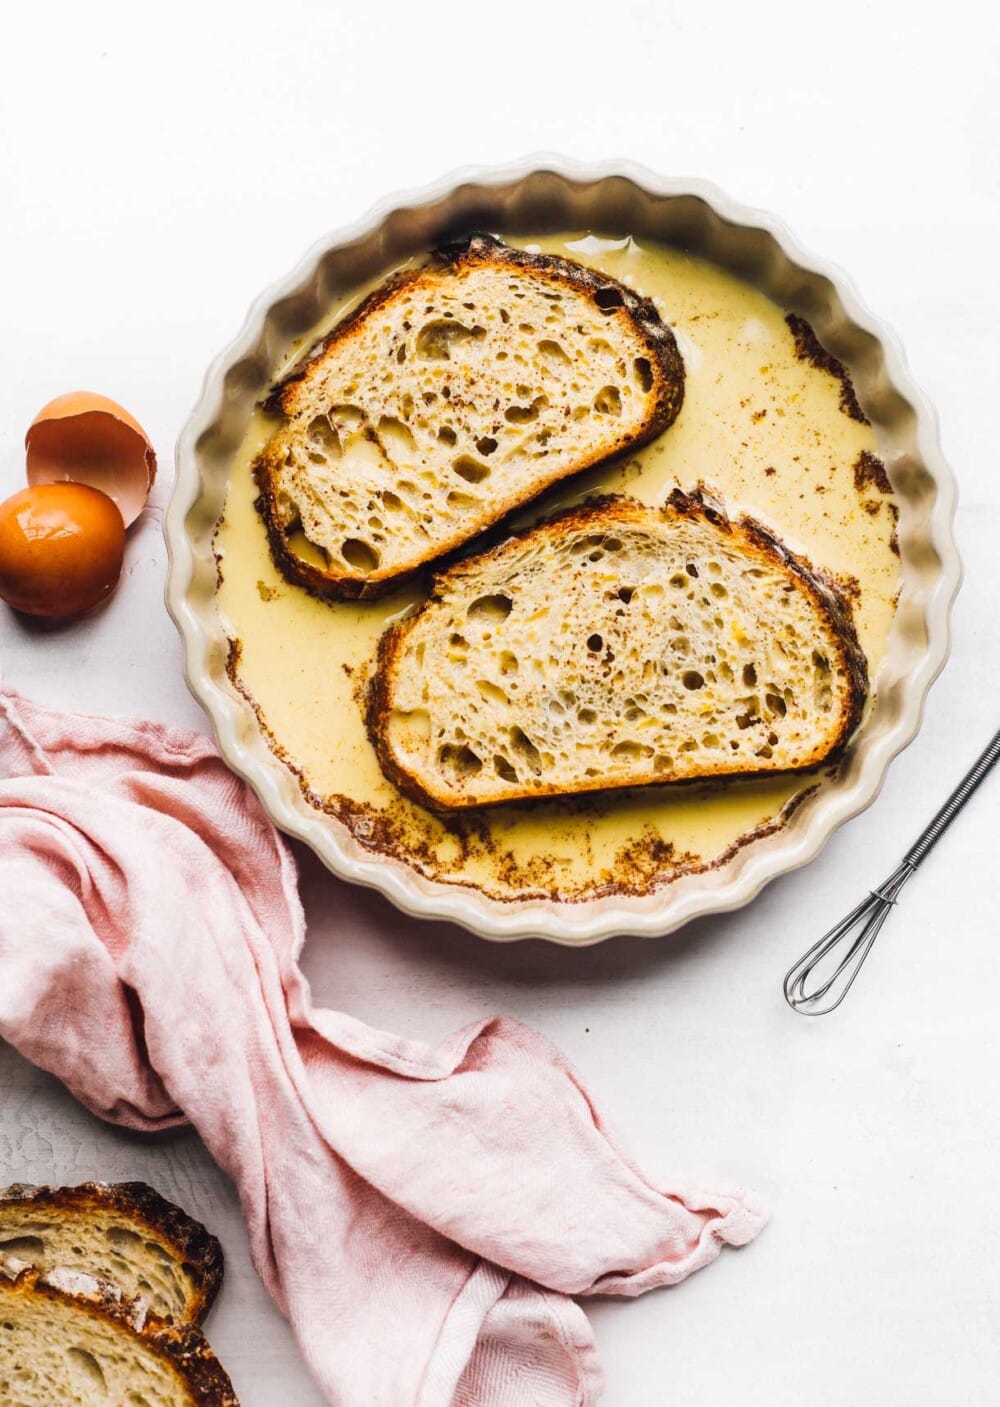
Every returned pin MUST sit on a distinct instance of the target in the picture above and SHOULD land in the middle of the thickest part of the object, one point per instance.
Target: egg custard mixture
(770, 424)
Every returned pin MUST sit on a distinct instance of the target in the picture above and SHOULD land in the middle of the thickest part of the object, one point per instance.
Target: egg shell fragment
(86, 438)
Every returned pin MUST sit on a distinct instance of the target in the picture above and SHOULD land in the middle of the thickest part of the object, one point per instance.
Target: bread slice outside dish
(68, 1340)
(125, 1233)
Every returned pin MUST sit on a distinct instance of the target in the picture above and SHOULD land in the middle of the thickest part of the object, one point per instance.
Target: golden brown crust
(182, 1348)
(612, 297)
(192, 1245)
(756, 538)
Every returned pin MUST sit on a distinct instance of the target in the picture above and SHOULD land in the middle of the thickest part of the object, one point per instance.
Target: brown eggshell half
(85, 438)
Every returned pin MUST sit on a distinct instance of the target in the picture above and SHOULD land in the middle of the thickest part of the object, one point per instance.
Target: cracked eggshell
(89, 439)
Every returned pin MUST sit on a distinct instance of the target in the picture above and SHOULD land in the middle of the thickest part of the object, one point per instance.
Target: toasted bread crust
(195, 1247)
(182, 1347)
(603, 512)
(667, 369)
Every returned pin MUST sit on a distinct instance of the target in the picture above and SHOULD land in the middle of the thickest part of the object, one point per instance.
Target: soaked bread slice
(66, 1340)
(124, 1233)
(454, 394)
(616, 645)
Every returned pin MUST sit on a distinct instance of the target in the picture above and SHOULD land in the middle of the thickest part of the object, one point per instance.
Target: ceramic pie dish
(540, 200)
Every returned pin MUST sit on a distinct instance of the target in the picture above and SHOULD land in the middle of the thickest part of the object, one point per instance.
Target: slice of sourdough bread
(455, 393)
(124, 1233)
(616, 645)
(67, 1340)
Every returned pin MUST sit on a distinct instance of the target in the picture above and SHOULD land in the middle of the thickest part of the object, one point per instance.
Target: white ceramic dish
(539, 194)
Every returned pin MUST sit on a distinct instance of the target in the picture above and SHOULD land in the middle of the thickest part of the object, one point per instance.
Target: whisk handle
(976, 774)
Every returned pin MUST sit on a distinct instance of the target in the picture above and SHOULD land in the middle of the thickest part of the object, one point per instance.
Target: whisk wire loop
(869, 916)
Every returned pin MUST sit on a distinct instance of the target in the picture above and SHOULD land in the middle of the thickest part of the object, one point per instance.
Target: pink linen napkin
(423, 1215)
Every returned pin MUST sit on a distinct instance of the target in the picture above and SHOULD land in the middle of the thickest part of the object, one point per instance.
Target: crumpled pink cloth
(423, 1215)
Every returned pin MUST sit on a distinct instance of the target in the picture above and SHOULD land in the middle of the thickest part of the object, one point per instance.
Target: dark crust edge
(193, 1245)
(808, 348)
(182, 1346)
(826, 594)
(475, 249)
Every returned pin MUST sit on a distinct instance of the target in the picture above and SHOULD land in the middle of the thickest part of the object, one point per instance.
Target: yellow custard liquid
(762, 428)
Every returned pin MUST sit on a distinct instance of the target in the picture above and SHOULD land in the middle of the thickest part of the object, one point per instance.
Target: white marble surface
(159, 165)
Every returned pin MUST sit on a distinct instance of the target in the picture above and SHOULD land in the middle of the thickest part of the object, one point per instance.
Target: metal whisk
(859, 929)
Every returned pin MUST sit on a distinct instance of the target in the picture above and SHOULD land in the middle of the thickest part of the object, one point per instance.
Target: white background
(159, 165)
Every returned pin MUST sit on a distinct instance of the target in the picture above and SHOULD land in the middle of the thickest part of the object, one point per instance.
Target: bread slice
(615, 646)
(124, 1233)
(66, 1340)
(455, 393)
